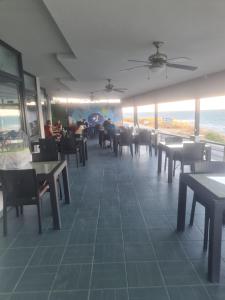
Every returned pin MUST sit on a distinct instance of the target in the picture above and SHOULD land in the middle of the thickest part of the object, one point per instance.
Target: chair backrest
(193, 151)
(18, 185)
(48, 149)
(209, 167)
(68, 144)
(144, 137)
(173, 140)
(125, 138)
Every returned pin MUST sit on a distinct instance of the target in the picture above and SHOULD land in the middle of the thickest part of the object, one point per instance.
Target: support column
(49, 109)
(135, 117)
(197, 119)
(39, 107)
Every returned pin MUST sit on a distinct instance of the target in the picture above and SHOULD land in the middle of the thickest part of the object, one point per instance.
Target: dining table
(210, 192)
(171, 150)
(49, 171)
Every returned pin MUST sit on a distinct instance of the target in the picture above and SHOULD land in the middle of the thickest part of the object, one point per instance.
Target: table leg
(181, 212)
(115, 146)
(156, 144)
(159, 159)
(54, 202)
(170, 167)
(86, 152)
(215, 236)
(66, 185)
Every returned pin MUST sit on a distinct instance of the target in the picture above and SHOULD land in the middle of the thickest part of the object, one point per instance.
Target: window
(44, 105)
(9, 61)
(146, 116)
(128, 116)
(177, 117)
(10, 118)
(31, 105)
(212, 119)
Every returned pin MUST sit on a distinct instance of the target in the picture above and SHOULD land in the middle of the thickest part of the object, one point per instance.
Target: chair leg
(21, 209)
(174, 167)
(39, 218)
(131, 149)
(193, 210)
(77, 159)
(206, 230)
(4, 219)
(60, 188)
(165, 163)
(17, 211)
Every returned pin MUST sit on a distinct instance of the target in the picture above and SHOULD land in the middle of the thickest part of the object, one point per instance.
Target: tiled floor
(118, 240)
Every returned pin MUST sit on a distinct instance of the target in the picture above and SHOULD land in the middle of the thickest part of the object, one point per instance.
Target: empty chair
(20, 187)
(169, 141)
(205, 167)
(125, 139)
(48, 149)
(143, 138)
(69, 146)
(191, 153)
(49, 152)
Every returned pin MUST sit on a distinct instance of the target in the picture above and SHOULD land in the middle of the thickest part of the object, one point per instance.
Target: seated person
(48, 130)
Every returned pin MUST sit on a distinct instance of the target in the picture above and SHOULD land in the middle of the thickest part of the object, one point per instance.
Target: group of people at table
(57, 129)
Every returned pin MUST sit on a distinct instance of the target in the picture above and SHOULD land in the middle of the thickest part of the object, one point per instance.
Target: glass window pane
(8, 61)
(128, 116)
(44, 105)
(30, 83)
(32, 116)
(10, 118)
(177, 117)
(146, 116)
(212, 119)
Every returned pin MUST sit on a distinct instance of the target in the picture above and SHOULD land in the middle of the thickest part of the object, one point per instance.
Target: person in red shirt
(48, 130)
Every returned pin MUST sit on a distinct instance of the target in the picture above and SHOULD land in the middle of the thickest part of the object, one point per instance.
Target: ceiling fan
(92, 96)
(109, 87)
(160, 60)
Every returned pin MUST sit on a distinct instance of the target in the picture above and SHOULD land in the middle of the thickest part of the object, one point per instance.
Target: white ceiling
(104, 34)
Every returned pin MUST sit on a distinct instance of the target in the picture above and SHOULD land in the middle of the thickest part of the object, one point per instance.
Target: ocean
(209, 119)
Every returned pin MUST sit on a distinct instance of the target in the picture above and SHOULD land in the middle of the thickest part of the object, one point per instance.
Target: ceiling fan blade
(182, 67)
(118, 90)
(132, 68)
(179, 58)
(139, 61)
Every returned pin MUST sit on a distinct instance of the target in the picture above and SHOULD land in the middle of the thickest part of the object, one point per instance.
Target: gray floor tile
(28, 296)
(216, 292)
(54, 238)
(139, 252)
(69, 295)
(186, 293)
(110, 294)
(169, 251)
(179, 273)
(109, 236)
(108, 276)
(83, 236)
(143, 274)
(163, 234)
(73, 277)
(9, 278)
(108, 253)
(135, 236)
(37, 279)
(45, 256)
(16, 257)
(78, 254)
(156, 293)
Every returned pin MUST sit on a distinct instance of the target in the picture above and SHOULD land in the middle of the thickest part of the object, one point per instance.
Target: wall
(208, 86)
(92, 112)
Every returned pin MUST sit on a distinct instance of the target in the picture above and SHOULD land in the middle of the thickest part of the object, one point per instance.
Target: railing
(218, 149)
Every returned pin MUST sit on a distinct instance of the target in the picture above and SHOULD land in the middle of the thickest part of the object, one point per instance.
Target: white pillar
(39, 107)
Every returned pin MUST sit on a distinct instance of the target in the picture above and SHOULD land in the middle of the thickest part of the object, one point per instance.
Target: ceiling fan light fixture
(157, 67)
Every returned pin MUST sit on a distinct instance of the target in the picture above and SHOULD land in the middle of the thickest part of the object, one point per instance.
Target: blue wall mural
(95, 114)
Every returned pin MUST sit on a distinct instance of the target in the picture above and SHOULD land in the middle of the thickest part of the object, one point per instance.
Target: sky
(212, 103)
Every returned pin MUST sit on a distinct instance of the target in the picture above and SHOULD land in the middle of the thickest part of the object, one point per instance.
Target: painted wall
(95, 114)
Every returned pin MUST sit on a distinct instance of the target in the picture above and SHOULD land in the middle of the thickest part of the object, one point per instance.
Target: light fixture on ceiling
(84, 101)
